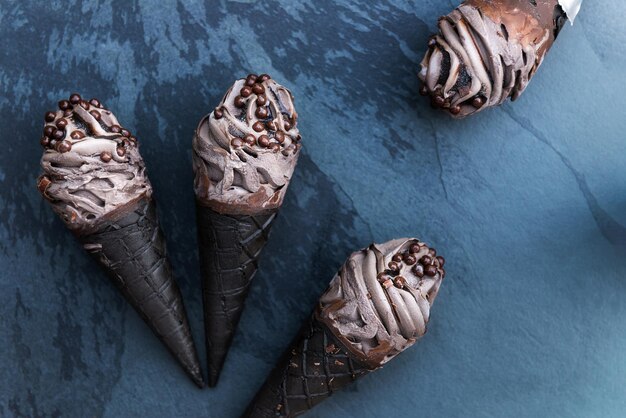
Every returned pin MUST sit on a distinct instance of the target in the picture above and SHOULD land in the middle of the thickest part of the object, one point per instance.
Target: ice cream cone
(377, 306)
(244, 154)
(94, 179)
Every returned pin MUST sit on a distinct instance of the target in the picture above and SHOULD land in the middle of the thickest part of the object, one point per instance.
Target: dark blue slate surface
(527, 203)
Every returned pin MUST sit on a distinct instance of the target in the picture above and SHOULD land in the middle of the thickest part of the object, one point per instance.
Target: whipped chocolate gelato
(488, 50)
(379, 303)
(92, 166)
(245, 151)
(377, 306)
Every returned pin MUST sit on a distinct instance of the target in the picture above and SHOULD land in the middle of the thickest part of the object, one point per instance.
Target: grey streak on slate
(526, 202)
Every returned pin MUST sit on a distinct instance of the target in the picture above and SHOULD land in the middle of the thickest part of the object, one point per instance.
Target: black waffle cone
(132, 250)
(314, 366)
(229, 247)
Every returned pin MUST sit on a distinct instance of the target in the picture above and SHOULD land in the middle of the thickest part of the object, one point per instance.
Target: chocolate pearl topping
(105, 156)
(382, 277)
(58, 134)
(249, 139)
(399, 282)
(245, 91)
(264, 141)
(55, 135)
(77, 135)
(251, 79)
(65, 146)
(478, 102)
(258, 126)
(271, 127)
(418, 270)
(258, 89)
(75, 98)
(438, 101)
(240, 102)
(261, 113)
(428, 266)
(409, 259)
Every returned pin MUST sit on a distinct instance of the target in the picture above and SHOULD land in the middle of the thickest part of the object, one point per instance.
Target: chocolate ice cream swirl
(487, 51)
(378, 304)
(245, 151)
(92, 166)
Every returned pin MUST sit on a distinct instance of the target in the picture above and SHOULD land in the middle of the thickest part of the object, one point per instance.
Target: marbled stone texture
(527, 202)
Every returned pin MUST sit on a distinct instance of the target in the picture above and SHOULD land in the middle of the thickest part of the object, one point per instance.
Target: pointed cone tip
(223, 299)
(214, 375)
(197, 379)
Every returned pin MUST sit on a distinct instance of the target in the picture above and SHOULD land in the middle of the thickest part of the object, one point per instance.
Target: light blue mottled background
(527, 203)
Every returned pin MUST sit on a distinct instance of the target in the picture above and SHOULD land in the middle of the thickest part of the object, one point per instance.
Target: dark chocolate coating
(229, 247)
(133, 253)
(314, 366)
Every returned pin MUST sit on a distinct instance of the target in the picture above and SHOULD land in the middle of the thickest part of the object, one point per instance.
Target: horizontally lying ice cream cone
(488, 50)
(244, 154)
(377, 306)
(94, 179)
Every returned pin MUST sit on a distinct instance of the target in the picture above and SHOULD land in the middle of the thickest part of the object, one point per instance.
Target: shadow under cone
(229, 247)
(132, 251)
